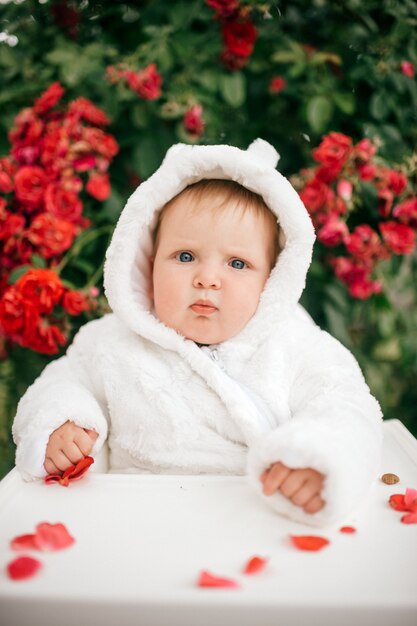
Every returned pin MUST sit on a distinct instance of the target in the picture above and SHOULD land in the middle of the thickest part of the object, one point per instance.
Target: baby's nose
(207, 278)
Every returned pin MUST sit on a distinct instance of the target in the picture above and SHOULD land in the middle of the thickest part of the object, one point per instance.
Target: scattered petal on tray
(347, 529)
(47, 537)
(311, 543)
(254, 565)
(407, 503)
(51, 537)
(23, 542)
(23, 567)
(206, 579)
(75, 472)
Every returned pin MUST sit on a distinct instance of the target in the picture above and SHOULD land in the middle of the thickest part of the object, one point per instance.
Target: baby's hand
(67, 445)
(301, 486)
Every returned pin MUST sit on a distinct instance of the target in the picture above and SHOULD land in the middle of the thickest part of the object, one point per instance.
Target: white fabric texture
(166, 407)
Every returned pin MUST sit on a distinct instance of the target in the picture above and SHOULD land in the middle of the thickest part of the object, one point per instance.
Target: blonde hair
(224, 192)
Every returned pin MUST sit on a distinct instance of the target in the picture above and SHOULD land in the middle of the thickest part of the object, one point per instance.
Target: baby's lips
(75, 472)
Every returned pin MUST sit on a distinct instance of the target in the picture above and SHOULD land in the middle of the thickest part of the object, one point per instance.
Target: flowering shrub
(350, 185)
(56, 153)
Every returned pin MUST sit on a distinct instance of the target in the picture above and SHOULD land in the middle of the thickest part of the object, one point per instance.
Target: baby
(208, 363)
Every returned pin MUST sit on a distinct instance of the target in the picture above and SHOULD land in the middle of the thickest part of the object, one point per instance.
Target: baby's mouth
(203, 307)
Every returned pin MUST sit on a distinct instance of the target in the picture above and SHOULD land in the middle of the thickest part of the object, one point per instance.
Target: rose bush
(331, 85)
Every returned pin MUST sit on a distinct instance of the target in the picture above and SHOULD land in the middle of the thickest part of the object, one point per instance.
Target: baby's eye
(238, 264)
(185, 257)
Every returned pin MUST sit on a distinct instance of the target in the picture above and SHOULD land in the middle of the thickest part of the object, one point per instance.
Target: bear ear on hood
(263, 151)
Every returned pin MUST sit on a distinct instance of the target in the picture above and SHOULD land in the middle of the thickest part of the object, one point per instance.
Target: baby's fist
(302, 486)
(67, 445)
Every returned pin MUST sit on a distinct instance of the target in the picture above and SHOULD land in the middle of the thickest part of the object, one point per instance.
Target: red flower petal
(75, 472)
(410, 498)
(254, 565)
(411, 518)
(347, 529)
(23, 567)
(52, 478)
(397, 502)
(23, 542)
(50, 537)
(309, 542)
(206, 579)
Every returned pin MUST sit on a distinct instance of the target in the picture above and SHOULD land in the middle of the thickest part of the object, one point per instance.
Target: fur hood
(127, 269)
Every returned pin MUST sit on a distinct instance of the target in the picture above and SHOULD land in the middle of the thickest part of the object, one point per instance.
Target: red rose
(98, 186)
(55, 153)
(62, 203)
(16, 313)
(399, 238)
(97, 140)
(223, 8)
(277, 84)
(333, 232)
(239, 38)
(10, 224)
(365, 244)
(316, 195)
(193, 120)
(50, 235)
(407, 68)
(43, 337)
(86, 110)
(30, 183)
(74, 302)
(356, 277)
(385, 201)
(146, 83)
(48, 99)
(7, 172)
(364, 150)
(396, 181)
(367, 171)
(406, 212)
(335, 149)
(25, 137)
(42, 287)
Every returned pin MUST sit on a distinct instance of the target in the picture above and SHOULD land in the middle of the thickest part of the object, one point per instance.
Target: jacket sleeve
(335, 428)
(68, 389)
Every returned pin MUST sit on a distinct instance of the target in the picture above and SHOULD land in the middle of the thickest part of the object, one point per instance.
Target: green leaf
(17, 273)
(284, 56)
(233, 89)
(139, 116)
(38, 261)
(146, 156)
(345, 102)
(378, 106)
(208, 79)
(319, 113)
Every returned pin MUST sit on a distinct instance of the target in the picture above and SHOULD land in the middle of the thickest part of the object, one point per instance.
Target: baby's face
(209, 270)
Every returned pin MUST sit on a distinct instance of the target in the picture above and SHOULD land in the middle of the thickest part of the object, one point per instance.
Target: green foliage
(341, 63)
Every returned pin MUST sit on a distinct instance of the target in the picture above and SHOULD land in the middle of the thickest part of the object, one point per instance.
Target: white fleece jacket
(166, 406)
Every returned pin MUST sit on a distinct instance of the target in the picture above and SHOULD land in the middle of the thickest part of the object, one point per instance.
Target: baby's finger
(50, 467)
(61, 461)
(73, 452)
(304, 494)
(84, 442)
(91, 433)
(315, 504)
(276, 475)
(292, 483)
